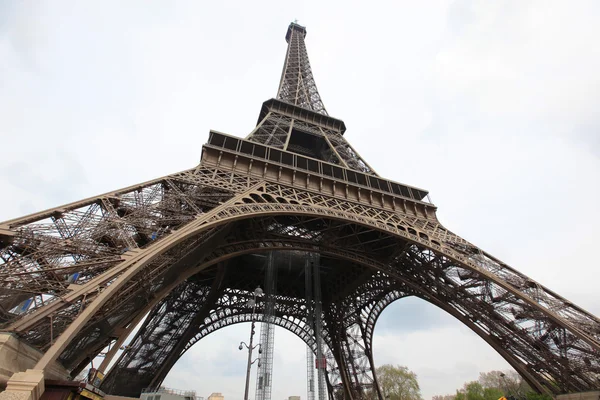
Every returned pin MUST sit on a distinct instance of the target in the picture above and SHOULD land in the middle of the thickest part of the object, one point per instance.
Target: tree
(445, 397)
(495, 384)
(491, 379)
(476, 391)
(398, 383)
(509, 382)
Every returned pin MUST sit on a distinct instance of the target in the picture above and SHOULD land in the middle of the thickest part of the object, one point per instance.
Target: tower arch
(78, 276)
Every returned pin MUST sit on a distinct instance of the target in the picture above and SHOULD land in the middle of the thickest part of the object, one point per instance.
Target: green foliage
(476, 391)
(496, 384)
(445, 397)
(509, 382)
(537, 396)
(398, 383)
(492, 393)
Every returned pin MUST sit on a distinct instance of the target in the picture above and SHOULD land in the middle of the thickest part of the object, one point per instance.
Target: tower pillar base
(17, 356)
(28, 385)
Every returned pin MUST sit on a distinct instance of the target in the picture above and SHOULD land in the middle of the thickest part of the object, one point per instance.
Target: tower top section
(297, 85)
(295, 27)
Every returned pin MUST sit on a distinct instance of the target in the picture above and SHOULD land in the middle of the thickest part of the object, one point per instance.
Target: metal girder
(172, 328)
(170, 325)
(293, 131)
(439, 292)
(75, 278)
(470, 291)
(297, 85)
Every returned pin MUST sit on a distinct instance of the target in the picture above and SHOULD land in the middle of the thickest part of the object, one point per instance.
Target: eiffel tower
(188, 249)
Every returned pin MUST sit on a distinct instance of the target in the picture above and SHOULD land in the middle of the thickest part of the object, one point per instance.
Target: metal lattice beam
(76, 278)
(297, 84)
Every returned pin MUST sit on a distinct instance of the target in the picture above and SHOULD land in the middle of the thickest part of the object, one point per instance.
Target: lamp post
(257, 292)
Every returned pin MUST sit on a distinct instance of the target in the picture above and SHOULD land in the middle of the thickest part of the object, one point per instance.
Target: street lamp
(252, 303)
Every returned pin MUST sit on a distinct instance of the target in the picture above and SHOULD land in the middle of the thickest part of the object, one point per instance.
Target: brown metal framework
(186, 248)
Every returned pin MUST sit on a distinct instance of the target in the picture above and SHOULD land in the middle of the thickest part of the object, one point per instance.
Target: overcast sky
(491, 106)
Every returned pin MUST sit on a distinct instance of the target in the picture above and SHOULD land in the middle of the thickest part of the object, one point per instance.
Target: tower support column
(28, 385)
(352, 352)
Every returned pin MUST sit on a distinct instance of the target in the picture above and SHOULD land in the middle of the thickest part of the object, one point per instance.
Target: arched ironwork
(80, 276)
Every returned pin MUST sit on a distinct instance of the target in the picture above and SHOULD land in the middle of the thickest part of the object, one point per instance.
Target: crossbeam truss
(297, 133)
(187, 251)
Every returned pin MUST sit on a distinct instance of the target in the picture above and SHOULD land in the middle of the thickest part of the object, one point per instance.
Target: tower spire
(297, 121)
(297, 85)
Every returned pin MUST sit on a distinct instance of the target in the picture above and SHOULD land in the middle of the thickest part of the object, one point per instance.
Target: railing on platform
(162, 389)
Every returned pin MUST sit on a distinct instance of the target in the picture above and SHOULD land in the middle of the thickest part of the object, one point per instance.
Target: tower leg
(28, 385)
(168, 324)
(342, 389)
(353, 355)
(368, 346)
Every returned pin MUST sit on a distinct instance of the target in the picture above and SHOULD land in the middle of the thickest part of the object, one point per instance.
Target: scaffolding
(310, 356)
(267, 330)
(321, 362)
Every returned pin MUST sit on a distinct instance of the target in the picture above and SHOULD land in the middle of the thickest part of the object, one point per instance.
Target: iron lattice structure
(264, 376)
(311, 389)
(188, 249)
